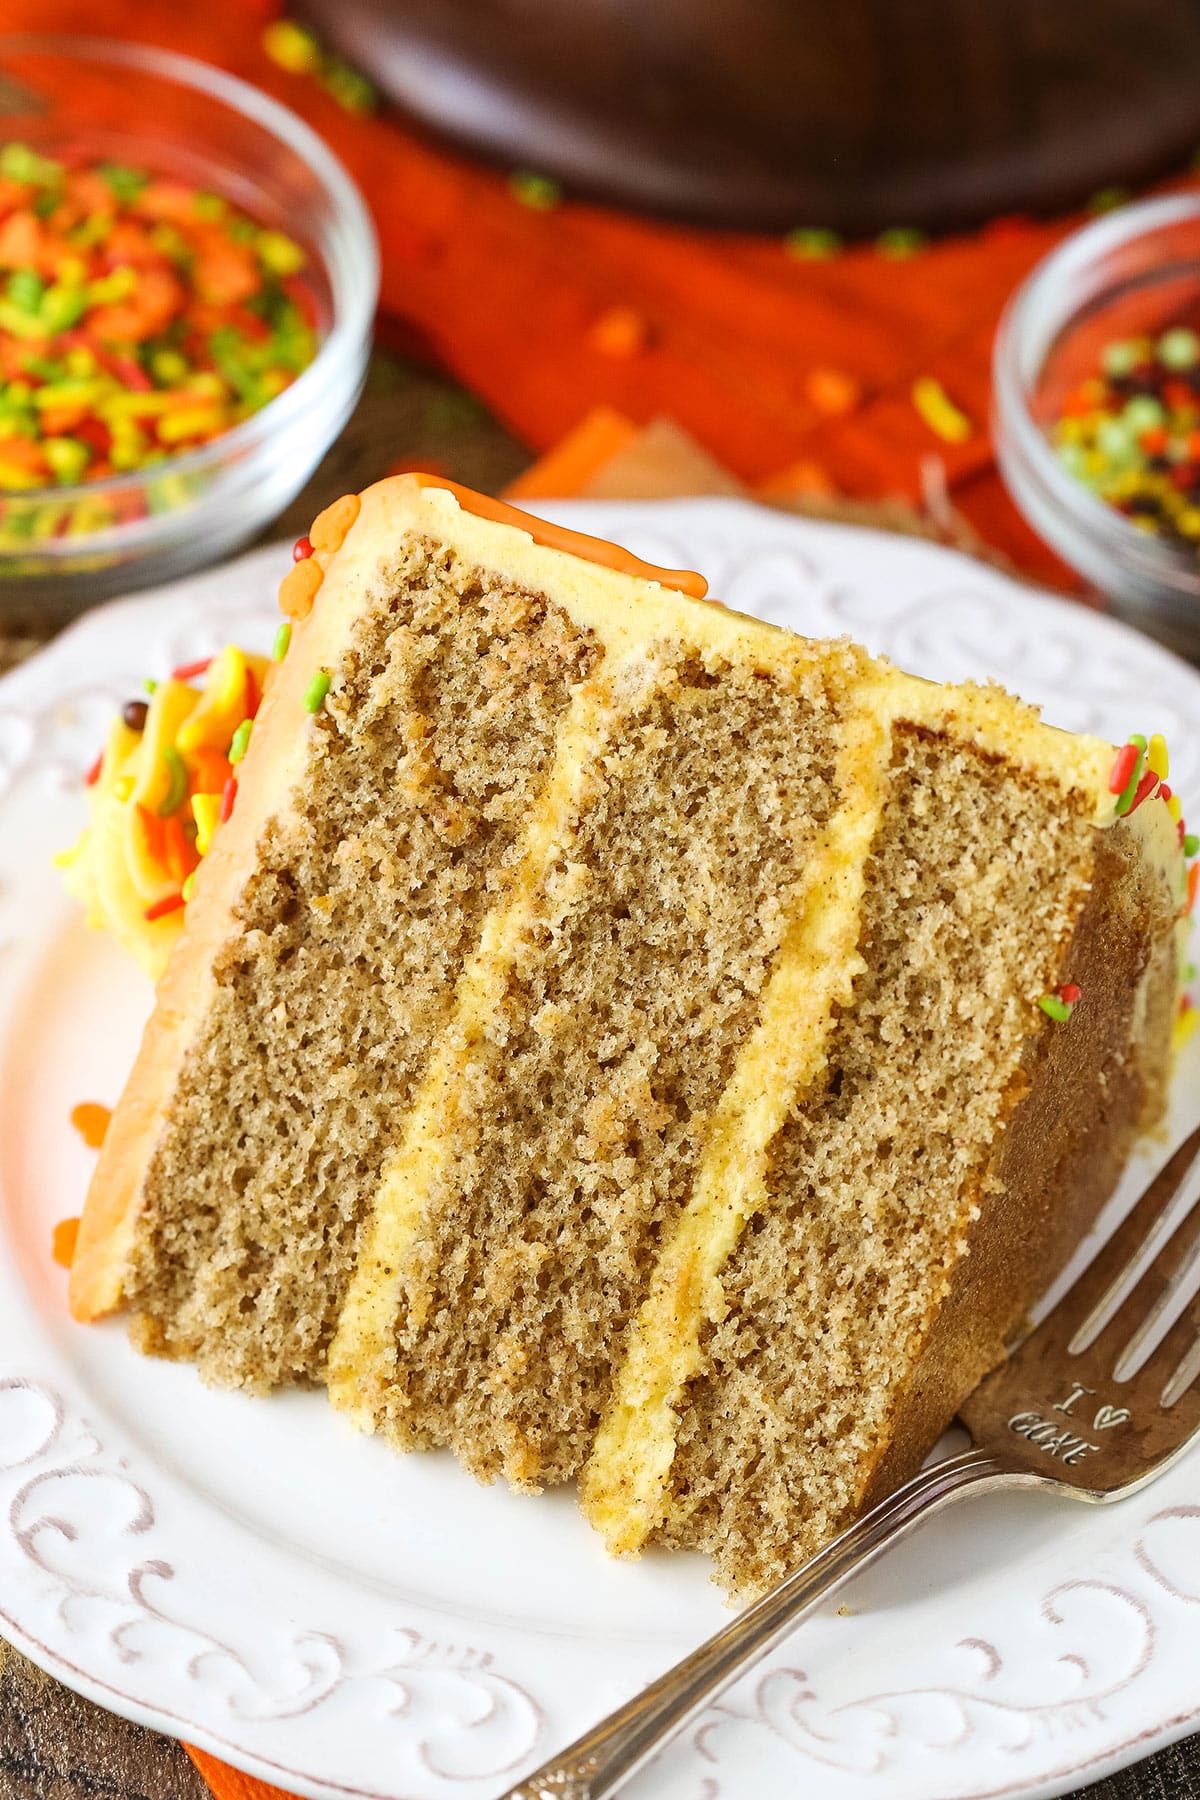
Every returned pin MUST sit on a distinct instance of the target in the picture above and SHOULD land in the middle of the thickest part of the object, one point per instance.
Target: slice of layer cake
(614, 1037)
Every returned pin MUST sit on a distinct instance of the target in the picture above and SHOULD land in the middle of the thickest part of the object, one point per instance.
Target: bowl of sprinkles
(1097, 410)
(188, 281)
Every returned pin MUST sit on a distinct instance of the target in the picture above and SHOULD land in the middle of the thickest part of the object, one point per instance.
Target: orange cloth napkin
(782, 368)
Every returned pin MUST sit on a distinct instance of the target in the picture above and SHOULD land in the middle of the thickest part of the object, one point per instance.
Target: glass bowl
(130, 103)
(1134, 273)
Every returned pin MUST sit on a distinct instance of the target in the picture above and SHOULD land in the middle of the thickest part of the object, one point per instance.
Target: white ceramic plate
(254, 1577)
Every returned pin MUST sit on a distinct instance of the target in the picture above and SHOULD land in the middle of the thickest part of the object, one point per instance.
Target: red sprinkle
(301, 550)
(1145, 788)
(1193, 878)
(93, 774)
(229, 795)
(161, 908)
(1182, 833)
(1123, 768)
(191, 671)
(1070, 993)
(253, 695)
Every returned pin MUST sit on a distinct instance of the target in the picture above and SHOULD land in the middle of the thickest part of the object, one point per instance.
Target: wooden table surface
(54, 1745)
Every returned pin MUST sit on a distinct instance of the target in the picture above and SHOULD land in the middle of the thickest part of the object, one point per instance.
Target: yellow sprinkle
(1175, 808)
(123, 788)
(939, 411)
(206, 810)
(1156, 756)
(1184, 1027)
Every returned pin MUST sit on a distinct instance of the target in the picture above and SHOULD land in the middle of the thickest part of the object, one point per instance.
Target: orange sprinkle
(90, 1120)
(621, 331)
(1193, 878)
(832, 391)
(298, 589)
(329, 528)
(66, 1236)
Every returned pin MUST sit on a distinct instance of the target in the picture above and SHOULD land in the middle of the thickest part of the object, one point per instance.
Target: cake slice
(617, 1038)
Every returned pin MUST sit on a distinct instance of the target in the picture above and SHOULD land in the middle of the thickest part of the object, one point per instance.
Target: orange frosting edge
(559, 537)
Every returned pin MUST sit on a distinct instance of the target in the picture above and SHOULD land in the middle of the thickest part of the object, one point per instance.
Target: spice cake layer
(605, 1037)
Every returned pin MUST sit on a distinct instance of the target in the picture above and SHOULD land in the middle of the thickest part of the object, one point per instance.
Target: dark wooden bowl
(854, 114)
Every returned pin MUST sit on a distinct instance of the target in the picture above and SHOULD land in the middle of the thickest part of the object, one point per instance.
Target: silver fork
(1095, 1403)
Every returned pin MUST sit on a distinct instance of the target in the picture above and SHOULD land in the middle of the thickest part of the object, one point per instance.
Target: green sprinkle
(812, 244)
(241, 741)
(1116, 441)
(150, 685)
(1121, 357)
(1108, 199)
(125, 184)
(20, 163)
(1179, 349)
(189, 884)
(25, 289)
(900, 241)
(1191, 844)
(1055, 1008)
(536, 191)
(1125, 798)
(349, 87)
(1143, 413)
(283, 638)
(315, 692)
(177, 791)
(1189, 974)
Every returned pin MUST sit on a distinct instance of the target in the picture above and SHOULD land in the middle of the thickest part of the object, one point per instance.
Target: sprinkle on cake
(608, 1035)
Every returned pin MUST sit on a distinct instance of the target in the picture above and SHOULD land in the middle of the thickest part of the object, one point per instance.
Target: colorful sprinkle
(241, 741)
(192, 671)
(538, 192)
(93, 774)
(900, 242)
(302, 549)
(315, 692)
(65, 1241)
(812, 244)
(91, 1121)
(1191, 843)
(1145, 788)
(329, 528)
(1055, 1007)
(1070, 992)
(140, 315)
(188, 887)
(299, 587)
(177, 788)
(228, 796)
(1186, 1021)
(134, 714)
(1156, 756)
(939, 412)
(283, 638)
(161, 908)
(206, 811)
(1131, 433)
(1123, 768)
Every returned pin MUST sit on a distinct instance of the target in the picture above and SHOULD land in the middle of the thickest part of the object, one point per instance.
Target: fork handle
(604, 1758)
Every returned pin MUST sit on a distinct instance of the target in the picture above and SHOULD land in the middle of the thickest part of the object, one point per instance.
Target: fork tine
(1184, 1375)
(1131, 1272)
(1178, 1291)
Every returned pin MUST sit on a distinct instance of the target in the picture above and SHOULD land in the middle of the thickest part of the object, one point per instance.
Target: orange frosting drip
(575, 543)
(90, 1120)
(66, 1237)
